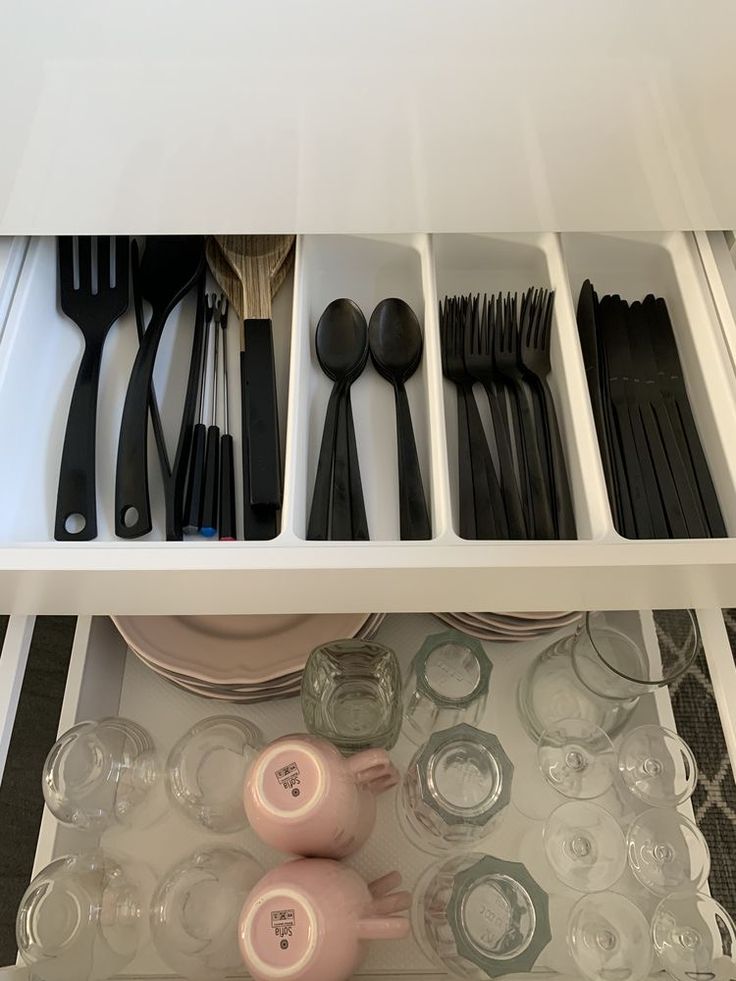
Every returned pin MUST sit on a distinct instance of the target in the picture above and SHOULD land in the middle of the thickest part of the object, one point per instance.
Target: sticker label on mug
(288, 776)
(283, 922)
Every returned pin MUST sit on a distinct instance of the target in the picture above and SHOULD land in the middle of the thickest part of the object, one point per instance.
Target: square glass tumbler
(351, 695)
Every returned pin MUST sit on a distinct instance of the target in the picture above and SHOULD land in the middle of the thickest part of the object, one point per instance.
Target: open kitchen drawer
(39, 354)
(104, 678)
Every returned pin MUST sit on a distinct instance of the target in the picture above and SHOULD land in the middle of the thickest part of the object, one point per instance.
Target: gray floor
(38, 715)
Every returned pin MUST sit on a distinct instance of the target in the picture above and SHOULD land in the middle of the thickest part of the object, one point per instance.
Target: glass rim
(664, 679)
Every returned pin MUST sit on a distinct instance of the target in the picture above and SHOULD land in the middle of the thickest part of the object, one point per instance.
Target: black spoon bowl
(341, 343)
(396, 344)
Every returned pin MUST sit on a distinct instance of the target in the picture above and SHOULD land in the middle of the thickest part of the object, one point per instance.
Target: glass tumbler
(480, 916)
(351, 695)
(103, 773)
(695, 938)
(448, 684)
(83, 916)
(599, 673)
(195, 912)
(206, 769)
(455, 788)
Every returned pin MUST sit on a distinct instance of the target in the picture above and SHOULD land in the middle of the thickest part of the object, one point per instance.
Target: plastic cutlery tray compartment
(104, 678)
(40, 351)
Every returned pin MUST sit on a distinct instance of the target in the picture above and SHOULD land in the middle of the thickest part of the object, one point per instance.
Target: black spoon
(170, 266)
(341, 342)
(395, 341)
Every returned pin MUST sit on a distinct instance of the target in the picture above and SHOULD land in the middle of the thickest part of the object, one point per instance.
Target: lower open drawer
(105, 678)
(40, 351)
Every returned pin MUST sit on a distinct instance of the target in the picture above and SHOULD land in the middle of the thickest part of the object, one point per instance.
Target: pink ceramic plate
(484, 632)
(236, 650)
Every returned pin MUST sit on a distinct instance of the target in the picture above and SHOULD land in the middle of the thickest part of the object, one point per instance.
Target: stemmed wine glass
(585, 846)
(657, 766)
(577, 758)
(609, 938)
(695, 938)
(667, 852)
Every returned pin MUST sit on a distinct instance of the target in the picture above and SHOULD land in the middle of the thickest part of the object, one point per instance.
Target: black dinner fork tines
(481, 512)
(506, 349)
(480, 365)
(534, 354)
(98, 299)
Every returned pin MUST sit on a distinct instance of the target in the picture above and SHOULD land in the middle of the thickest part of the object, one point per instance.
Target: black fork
(94, 310)
(539, 511)
(534, 354)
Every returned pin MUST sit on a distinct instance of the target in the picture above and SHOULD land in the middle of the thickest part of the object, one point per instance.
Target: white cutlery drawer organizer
(39, 355)
(105, 679)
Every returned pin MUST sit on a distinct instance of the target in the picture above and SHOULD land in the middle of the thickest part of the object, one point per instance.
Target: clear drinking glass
(585, 846)
(667, 853)
(83, 916)
(448, 684)
(351, 695)
(695, 938)
(195, 912)
(103, 773)
(609, 939)
(206, 771)
(599, 673)
(657, 766)
(577, 759)
(480, 916)
(455, 788)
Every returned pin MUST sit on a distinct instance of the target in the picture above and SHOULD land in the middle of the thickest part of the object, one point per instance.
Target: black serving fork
(539, 509)
(477, 516)
(479, 364)
(94, 308)
(534, 354)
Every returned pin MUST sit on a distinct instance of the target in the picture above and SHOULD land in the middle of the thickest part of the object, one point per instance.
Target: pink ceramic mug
(307, 920)
(302, 796)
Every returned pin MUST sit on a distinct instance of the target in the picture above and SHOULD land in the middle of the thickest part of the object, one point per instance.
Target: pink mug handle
(374, 768)
(383, 928)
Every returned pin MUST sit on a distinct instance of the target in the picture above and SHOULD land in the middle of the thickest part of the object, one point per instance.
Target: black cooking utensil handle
(560, 480)
(414, 523)
(543, 522)
(358, 517)
(490, 517)
(211, 492)
(76, 500)
(228, 529)
(341, 526)
(509, 484)
(260, 524)
(132, 503)
(192, 520)
(261, 414)
(318, 527)
(466, 498)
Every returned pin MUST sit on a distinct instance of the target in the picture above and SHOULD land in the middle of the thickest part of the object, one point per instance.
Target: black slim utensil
(94, 311)
(192, 515)
(211, 488)
(534, 351)
(228, 527)
(480, 365)
(674, 394)
(169, 268)
(395, 342)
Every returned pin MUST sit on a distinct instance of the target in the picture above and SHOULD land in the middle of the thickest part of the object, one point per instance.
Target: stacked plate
(238, 658)
(509, 626)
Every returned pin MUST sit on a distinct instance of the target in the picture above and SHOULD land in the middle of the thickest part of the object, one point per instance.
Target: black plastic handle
(228, 530)
(341, 526)
(544, 526)
(560, 481)
(76, 501)
(507, 474)
(358, 517)
(195, 481)
(414, 520)
(318, 526)
(260, 524)
(681, 416)
(132, 503)
(211, 493)
(672, 482)
(261, 414)
(466, 499)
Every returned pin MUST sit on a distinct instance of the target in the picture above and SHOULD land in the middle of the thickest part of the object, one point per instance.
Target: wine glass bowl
(584, 846)
(577, 758)
(657, 766)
